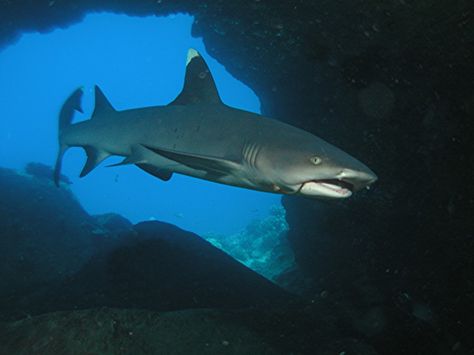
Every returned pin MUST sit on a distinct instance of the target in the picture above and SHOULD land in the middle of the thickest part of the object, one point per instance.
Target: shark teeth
(327, 188)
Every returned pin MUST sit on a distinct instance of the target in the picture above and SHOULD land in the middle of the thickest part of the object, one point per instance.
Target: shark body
(198, 135)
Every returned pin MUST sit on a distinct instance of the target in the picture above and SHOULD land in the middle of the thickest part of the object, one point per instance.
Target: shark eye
(315, 160)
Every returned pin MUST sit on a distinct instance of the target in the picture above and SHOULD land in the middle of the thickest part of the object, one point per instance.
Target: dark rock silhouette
(112, 331)
(84, 264)
(45, 234)
(197, 331)
(42, 171)
(160, 267)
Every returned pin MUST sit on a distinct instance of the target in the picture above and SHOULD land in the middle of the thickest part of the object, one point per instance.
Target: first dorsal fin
(199, 86)
(102, 105)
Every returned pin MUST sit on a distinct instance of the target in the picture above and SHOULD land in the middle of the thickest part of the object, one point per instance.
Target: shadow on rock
(159, 267)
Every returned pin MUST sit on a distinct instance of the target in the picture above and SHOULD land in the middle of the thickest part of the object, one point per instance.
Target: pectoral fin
(199, 162)
(94, 158)
(164, 175)
(137, 156)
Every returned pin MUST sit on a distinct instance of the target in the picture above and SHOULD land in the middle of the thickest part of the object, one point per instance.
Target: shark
(198, 135)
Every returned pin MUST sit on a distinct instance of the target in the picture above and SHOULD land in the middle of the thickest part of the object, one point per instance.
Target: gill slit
(250, 153)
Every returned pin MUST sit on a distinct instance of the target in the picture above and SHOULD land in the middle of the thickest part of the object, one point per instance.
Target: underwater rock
(113, 224)
(263, 247)
(43, 171)
(159, 266)
(57, 257)
(377, 100)
(112, 331)
(45, 235)
(302, 330)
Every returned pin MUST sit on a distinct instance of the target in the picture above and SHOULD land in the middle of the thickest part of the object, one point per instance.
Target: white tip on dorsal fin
(199, 86)
(102, 105)
(192, 53)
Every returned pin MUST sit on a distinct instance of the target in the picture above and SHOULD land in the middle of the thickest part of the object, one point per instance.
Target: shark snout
(359, 179)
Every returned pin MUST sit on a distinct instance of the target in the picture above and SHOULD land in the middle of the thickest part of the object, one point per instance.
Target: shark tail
(72, 103)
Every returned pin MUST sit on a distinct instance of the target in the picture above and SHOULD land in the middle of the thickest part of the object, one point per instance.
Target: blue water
(137, 62)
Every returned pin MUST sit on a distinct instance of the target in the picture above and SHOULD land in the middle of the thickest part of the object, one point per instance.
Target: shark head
(316, 169)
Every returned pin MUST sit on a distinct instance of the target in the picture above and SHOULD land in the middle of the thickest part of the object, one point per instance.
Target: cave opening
(137, 61)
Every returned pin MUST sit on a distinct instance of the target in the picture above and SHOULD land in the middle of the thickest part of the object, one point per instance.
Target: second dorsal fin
(199, 86)
(102, 105)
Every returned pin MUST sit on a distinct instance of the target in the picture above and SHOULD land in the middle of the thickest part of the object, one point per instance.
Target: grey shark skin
(199, 136)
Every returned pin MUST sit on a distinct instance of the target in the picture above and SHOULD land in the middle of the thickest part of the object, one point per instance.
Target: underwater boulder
(303, 330)
(263, 247)
(113, 224)
(112, 331)
(57, 257)
(45, 234)
(43, 171)
(159, 266)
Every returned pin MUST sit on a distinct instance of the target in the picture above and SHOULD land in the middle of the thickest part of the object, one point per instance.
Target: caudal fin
(73, 103)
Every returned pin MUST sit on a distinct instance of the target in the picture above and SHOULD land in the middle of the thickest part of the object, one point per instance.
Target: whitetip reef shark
(200, 136)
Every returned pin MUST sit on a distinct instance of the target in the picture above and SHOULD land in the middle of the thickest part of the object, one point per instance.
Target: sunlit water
(137, 62)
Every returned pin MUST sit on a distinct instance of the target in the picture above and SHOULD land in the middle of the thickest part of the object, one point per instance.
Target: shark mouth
(330, 188)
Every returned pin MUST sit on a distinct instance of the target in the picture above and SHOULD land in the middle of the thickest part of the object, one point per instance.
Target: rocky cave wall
(391, 82)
